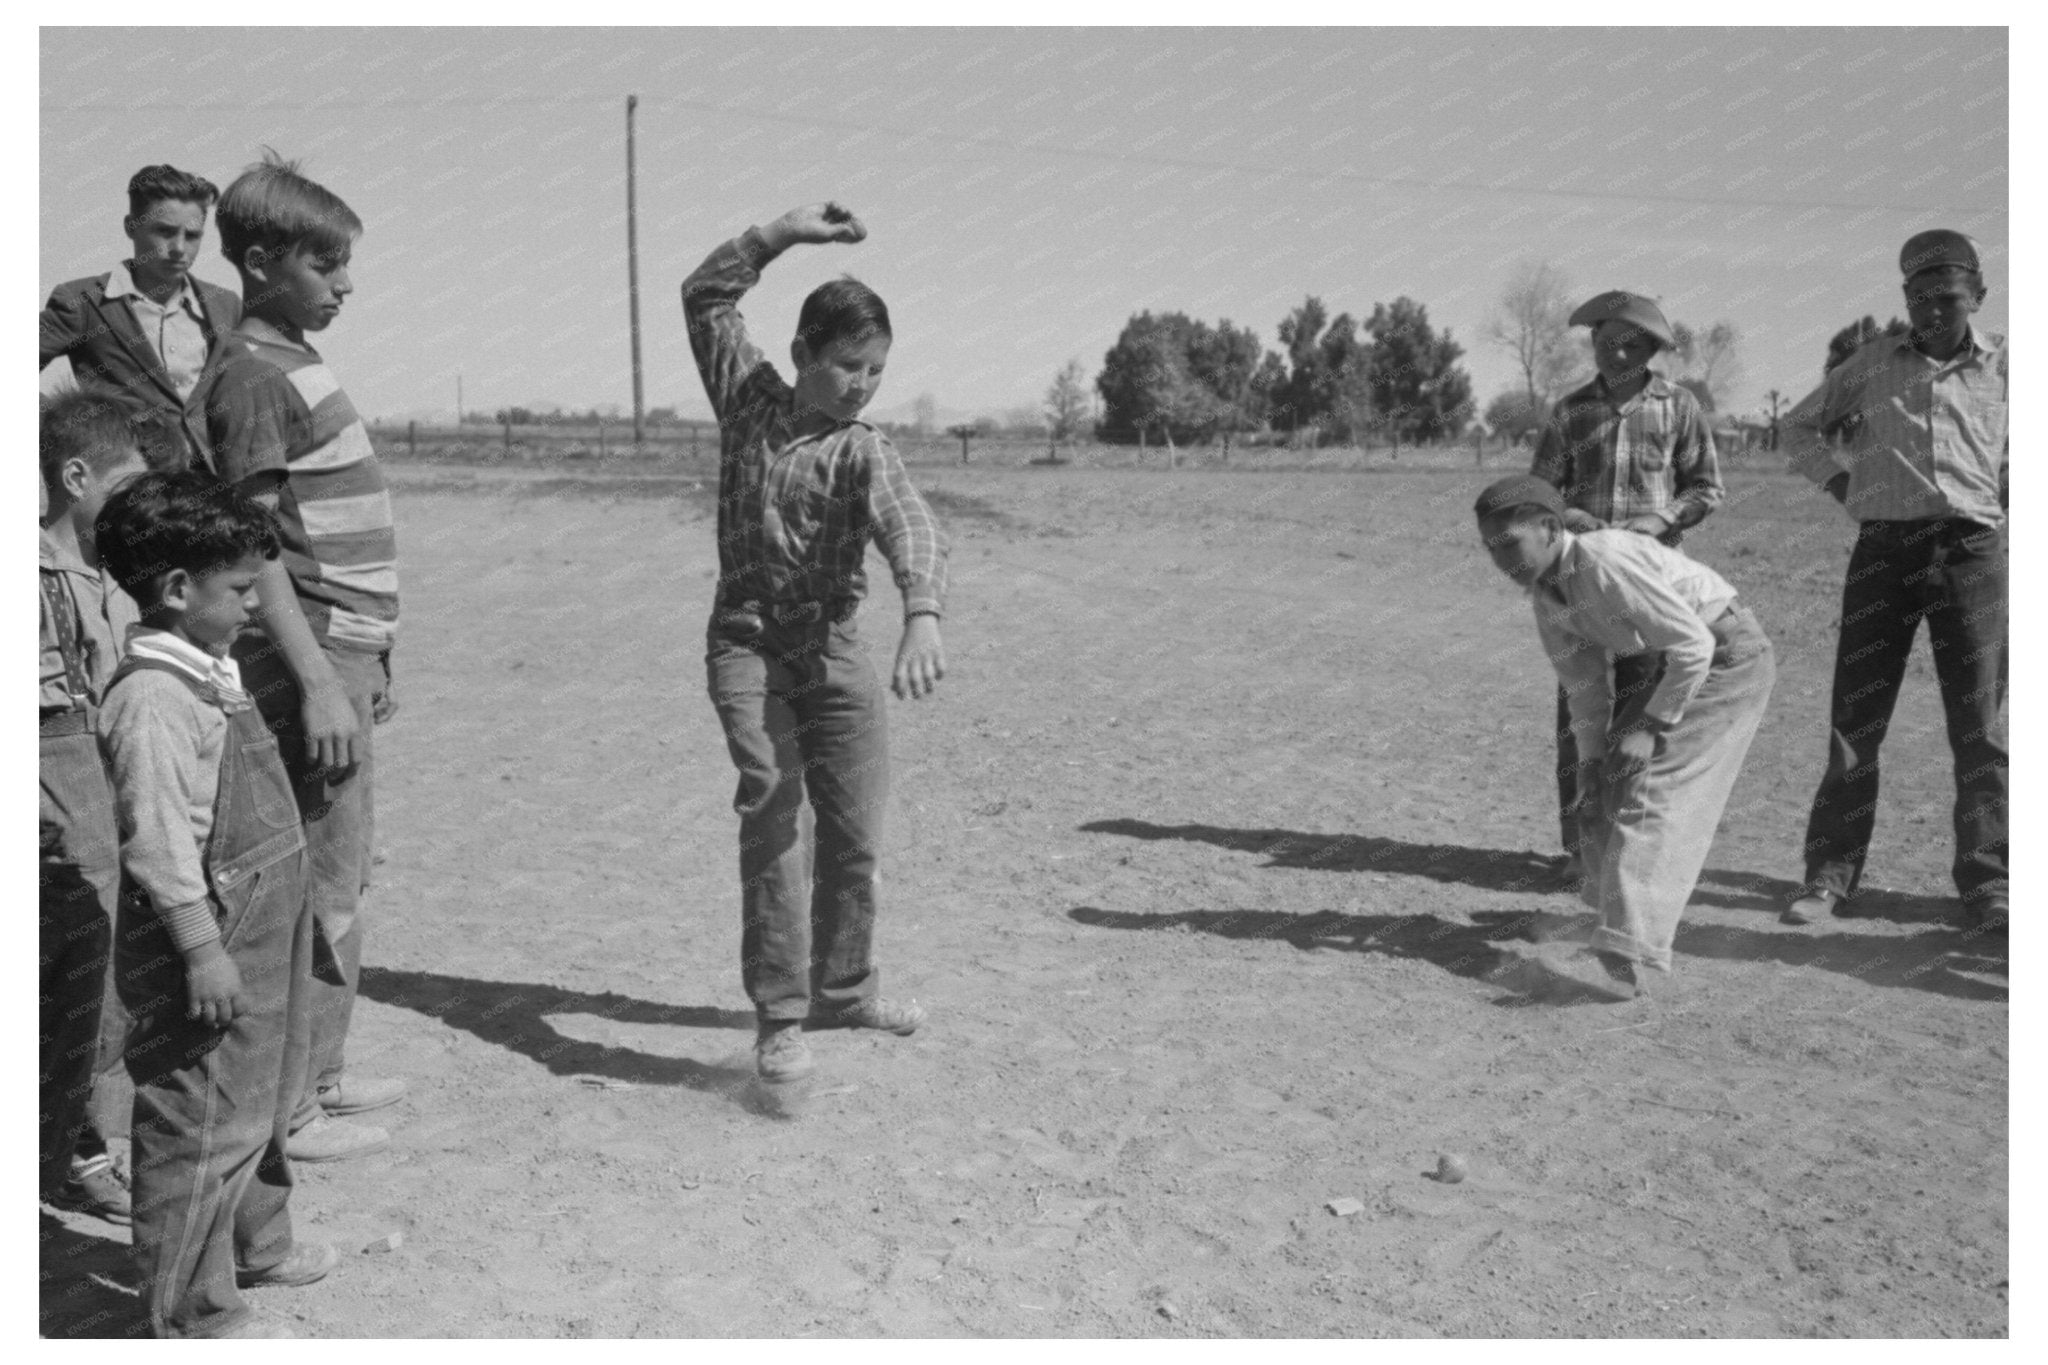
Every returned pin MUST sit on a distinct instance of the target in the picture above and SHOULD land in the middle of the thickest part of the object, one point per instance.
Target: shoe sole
(351, 1154)
(343, 1110)
(295, 1282)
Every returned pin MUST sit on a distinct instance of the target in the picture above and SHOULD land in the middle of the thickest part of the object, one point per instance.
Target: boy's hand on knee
(1630, 753)
(816, 224)
(213, 986)
(920, 659)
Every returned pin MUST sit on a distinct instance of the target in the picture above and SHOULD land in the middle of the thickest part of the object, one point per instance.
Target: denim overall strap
(255, 816)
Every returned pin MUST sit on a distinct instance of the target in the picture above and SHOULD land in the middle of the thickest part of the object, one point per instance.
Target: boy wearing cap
(1630, 450)
(1655, 768)
(1919, 458)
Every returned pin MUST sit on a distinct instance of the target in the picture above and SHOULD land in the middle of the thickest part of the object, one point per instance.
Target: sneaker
(326, 1140)
(1987, 913)
(98, 1187)
(353, 1094)
(891, 1016)
(781, 1054)
(1811, 908)
(305, 1263)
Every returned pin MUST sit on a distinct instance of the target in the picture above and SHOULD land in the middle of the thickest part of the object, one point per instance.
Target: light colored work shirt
(163, 743)
(94, 621)
(1615, 593)
(1918, 438)
(174, 330)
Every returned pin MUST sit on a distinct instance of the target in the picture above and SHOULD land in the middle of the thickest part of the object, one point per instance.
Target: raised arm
(727, 359)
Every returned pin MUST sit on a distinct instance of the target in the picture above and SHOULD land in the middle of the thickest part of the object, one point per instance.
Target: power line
(991, 141)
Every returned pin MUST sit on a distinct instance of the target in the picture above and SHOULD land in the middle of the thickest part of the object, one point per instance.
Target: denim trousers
(1629, 676)
(1645, 849)
(1951, 572)
(79, 880)
(338, 810)
(212, 1105)
(807, 728)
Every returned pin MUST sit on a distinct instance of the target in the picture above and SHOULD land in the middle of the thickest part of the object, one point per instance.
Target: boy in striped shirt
(318, 659)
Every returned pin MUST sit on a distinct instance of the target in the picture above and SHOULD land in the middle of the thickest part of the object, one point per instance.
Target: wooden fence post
(601, 451)
(412, 438)
(508, 440)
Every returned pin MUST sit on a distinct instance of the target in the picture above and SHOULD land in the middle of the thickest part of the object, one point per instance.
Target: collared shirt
(175, 330)
(796, 512)
(163, 741)
(1651, 454)
(277, 411)
(95, 620)
(1617, 593)
(1918, 437)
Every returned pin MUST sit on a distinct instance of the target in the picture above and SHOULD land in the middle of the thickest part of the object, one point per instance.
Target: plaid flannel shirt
(796, 512)
(1652, 454)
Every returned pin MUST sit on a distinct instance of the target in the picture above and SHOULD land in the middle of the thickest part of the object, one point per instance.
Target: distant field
(677, 449)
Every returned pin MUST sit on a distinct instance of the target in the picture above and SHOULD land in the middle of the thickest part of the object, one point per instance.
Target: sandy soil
(1212, 863)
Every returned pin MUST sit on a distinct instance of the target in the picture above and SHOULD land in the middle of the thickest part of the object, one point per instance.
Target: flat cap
(1618, 305)
(1518, 490)
(1936, 249)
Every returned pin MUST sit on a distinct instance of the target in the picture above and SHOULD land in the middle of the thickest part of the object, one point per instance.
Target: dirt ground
(1212, 862)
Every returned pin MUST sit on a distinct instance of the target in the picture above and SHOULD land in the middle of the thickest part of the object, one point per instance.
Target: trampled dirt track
(1209, 860)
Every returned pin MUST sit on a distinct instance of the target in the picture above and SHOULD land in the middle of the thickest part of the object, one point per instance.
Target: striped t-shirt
(276, 409)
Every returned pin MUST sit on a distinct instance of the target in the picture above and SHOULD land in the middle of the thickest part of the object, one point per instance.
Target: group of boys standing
(1663, 674)
(206, 806)
(206, 798)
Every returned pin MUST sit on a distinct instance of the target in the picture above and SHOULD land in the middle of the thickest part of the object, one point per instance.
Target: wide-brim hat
(1618, 305)
(1938, 249)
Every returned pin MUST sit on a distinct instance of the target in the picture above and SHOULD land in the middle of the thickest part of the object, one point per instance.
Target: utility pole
(633, 268)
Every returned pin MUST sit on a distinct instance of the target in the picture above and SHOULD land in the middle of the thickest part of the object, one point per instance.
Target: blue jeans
(804, 719)
(337, 807)
(1951, 572)
(79, 878)
(212, 1105)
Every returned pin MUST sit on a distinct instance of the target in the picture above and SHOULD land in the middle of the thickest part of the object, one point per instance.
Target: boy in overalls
(214, 939)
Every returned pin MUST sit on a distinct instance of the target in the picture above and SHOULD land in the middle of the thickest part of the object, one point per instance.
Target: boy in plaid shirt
(1632, 451)
(803, 486)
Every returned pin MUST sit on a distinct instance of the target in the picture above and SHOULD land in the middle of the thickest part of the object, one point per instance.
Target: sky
(1026, 191)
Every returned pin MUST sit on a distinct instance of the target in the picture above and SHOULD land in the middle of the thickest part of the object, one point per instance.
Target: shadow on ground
(513, 1014)
(86, 1284)
(1754, 891)
(1945, 962)
(1492, 869)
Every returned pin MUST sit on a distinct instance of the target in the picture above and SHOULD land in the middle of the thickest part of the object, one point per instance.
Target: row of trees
(1172, 378)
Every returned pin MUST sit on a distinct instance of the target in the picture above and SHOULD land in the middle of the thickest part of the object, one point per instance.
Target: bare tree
(1709, 358)
(1530, 323)
(1066, 402)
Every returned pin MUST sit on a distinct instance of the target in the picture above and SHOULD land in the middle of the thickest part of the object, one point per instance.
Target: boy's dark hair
(190, 521)
(153, 184)
(96, 425)
(841, 309)
(272, 207)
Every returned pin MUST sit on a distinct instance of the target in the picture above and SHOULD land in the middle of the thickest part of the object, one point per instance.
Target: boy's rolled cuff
(191, 926)
(753, 249)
